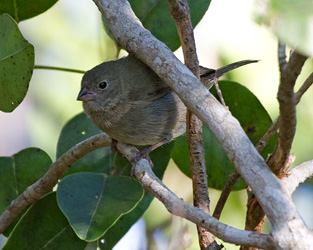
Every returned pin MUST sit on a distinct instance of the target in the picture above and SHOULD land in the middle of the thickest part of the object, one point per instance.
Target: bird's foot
(140, 155)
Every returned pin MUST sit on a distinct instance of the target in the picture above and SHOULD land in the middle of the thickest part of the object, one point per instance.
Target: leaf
(76, 130)
(20, 171)
(121, 227)
(155, 16)
(291, 21)
(253, 118)
(21, 10)
(44, 227)
(94, 202)
(160, 157)
(16, 64)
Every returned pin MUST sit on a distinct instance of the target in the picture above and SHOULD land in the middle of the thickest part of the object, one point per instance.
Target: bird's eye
(103, 85)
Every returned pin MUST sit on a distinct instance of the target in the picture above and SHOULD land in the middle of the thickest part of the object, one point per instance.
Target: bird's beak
(86, 95)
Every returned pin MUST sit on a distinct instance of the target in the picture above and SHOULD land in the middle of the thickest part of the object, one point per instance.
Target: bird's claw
(140, 155)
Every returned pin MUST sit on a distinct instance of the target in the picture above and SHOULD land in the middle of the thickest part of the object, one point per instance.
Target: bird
(129, 102)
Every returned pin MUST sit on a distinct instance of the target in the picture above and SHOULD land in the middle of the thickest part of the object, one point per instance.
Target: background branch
(281, 159)
(179, 9)
(287, 107)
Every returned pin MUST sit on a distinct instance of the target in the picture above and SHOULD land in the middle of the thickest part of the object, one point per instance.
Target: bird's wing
(149, 91)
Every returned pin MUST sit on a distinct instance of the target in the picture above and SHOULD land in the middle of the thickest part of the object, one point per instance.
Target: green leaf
(253, 118)
(94, 202)
(155, 16)
(21, 10)
(16, 64)
(44, 227)
(76, 130)
(20, 171)
(291, 21)
(160, 158)
(121, 227)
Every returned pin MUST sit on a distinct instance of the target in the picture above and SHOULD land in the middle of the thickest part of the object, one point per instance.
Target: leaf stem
(59, 69)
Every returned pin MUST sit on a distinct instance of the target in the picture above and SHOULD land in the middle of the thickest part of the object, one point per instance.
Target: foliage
(90, 204)
(16, 64)
(291, 21)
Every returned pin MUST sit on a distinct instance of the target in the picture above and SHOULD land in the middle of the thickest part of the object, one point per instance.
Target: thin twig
(262, 143)
(232, 180)
(218, 91)
(305, 86)
(273, 129)
(180, 11)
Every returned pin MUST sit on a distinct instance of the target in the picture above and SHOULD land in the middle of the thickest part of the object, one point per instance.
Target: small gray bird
(129, 102)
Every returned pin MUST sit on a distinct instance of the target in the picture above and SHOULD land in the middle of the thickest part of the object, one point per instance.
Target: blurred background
(71, 35)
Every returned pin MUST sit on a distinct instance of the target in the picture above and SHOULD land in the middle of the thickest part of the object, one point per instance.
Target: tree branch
(179, 9)
(273, 129)
(233, 178)
(178, 207)
(50, 179)
(267, 136)
(282, 62)
(281, 159)
(287, 107)
(273, 197)
(298, 175)
(305, 86)
(152, 184)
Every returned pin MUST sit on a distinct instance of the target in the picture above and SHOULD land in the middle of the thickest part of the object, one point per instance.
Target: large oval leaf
(94, 202)
(20, 171)
(155, 16)
(80, 128)
(16, 64)
(44, 227)
(253, 118)
(21, 10)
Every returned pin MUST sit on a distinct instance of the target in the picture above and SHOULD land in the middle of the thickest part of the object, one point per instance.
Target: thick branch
(272, 196)
(50, 179)
(177, 206)
(180, 11)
